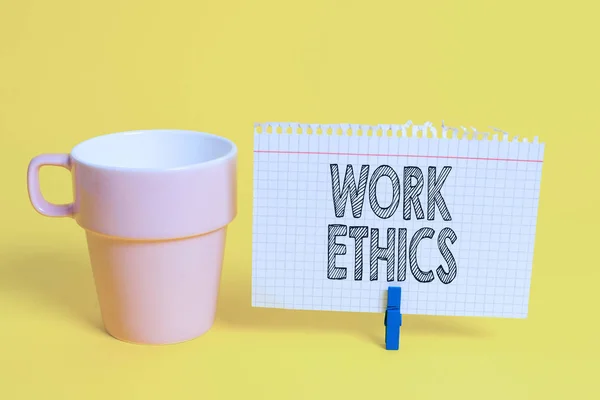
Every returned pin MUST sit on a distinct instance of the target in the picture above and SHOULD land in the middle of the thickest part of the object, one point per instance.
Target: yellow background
(70, 70)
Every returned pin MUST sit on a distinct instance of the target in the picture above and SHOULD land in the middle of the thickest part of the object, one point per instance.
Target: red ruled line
(395, 155)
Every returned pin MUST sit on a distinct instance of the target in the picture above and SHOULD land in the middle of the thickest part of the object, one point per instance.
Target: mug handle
(36, 197)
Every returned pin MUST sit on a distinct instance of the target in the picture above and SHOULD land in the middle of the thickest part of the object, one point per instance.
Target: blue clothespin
(393, 319)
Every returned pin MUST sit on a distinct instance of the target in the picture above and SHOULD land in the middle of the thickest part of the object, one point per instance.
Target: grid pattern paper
(473, 259)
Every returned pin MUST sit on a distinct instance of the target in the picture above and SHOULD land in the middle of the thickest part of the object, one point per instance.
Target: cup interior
(153, 149)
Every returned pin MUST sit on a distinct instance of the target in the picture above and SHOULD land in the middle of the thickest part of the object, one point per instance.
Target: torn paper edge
(425, 130)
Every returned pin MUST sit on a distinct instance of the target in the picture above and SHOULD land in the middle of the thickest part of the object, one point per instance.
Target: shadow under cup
(155, 206)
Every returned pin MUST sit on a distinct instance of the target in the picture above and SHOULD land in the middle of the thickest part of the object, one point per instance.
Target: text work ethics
(339, 218)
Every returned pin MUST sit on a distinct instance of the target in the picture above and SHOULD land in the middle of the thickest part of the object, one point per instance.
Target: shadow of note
(235, 309)
(59, 281)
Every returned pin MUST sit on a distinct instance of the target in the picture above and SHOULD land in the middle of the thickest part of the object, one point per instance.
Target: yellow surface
(70, 70)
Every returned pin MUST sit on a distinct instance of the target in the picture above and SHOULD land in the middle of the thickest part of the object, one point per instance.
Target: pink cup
(155, 206)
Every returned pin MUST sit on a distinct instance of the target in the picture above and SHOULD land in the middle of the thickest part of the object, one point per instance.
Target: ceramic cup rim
(229, 154)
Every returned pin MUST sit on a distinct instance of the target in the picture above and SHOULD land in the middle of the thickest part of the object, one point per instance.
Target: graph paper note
(342, 212)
